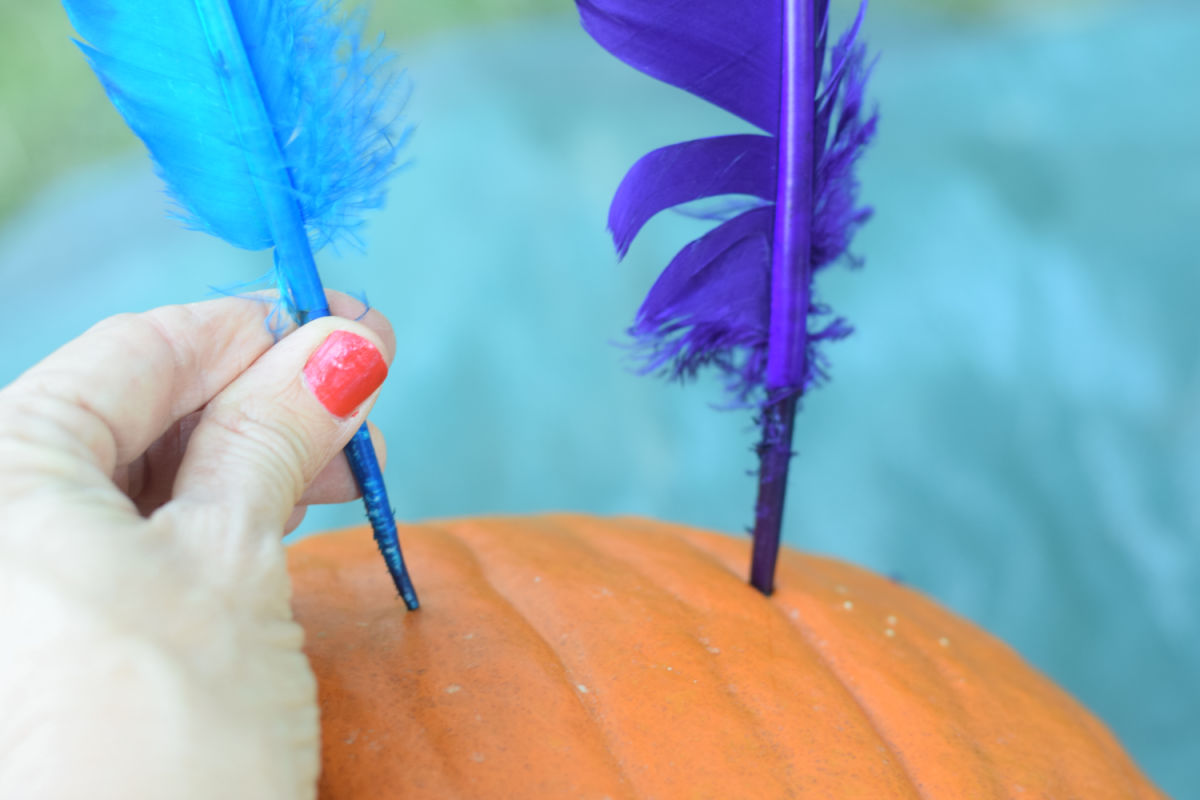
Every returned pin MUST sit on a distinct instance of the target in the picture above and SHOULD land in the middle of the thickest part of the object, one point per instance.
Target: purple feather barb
(740, 297)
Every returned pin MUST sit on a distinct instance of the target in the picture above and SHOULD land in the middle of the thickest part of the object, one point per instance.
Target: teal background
(1015, 428)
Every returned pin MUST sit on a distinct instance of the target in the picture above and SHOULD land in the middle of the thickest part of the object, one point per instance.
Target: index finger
(117, 388)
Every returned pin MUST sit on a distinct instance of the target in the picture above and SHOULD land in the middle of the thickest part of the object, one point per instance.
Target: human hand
(148, 471)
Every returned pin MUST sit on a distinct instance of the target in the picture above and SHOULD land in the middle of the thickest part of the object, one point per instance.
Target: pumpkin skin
(568, 656)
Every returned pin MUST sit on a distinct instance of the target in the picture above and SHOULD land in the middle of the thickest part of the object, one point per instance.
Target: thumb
(265, 437)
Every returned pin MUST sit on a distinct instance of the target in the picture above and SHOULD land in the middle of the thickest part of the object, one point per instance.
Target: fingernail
(344, 371)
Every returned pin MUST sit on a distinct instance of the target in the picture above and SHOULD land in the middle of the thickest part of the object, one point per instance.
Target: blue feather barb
(268, 121)
(740, 297)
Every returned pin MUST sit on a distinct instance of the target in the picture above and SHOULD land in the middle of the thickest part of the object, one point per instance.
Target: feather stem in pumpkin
(791, 284)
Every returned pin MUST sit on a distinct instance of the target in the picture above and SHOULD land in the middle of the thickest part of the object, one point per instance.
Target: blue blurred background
(1014, 429)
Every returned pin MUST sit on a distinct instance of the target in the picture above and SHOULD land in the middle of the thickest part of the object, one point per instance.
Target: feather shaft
(791, 284)
(791, 264)
(365, 466)
(774, 457)
(268, 168)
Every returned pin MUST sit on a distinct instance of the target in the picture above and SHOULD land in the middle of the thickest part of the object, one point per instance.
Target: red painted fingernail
(344, 371)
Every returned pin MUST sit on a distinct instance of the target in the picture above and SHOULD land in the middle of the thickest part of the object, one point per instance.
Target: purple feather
(740, 297)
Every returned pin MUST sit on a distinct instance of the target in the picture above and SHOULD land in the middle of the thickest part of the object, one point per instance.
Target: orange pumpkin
(575, 657)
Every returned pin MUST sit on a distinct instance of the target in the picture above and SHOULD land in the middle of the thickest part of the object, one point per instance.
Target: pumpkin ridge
(949, 675)
(713, 557)
(1101, 744)
(917, 647)
(479, 564)
(606, 549)
(1099, 739)
(806, 634)
(456, 775)
(637, 527)
(640, 526)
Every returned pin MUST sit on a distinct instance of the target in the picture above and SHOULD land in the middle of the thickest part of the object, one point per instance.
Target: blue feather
(269, 121)
(251, 109)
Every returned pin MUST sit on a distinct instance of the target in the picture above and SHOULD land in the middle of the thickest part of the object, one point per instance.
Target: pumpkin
(569, 656)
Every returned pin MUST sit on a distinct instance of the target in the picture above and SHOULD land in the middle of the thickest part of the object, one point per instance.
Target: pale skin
(148, 470)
